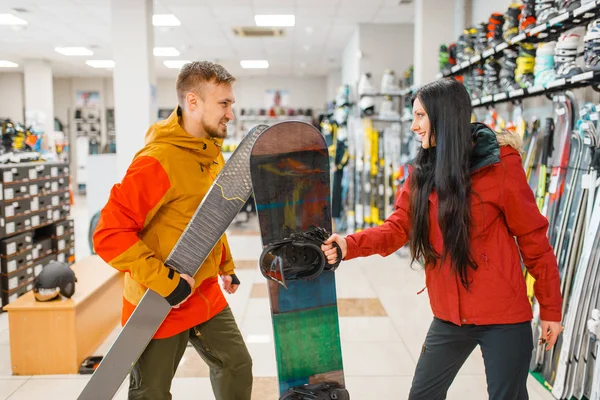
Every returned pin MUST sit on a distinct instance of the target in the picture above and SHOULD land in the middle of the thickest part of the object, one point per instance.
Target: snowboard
(223, 201)
(290, 171)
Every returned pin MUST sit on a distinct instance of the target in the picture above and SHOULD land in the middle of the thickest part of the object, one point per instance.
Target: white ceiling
(205, 33)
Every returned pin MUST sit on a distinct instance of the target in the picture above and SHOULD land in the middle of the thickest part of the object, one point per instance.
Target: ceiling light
(166, 52)
(254, 64)
(165, 20)
(177, 64)
(101, 63)
(73, 51)
(9, 19)
(275, 20)
(8, 64)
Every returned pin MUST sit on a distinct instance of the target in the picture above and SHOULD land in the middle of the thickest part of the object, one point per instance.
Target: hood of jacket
(170, 132)
(486, 149)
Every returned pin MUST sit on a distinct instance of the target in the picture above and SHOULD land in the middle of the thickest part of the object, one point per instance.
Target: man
(145, 216)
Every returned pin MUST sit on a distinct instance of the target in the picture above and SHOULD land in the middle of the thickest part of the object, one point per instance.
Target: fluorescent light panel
(165, 20)
(8, 64)
(254, 64)
(9, 19)
(74, 51)
(166, 52)
(101, 63)
(275, 20)
(176, 64)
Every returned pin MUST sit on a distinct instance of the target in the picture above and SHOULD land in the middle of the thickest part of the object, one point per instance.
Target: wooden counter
(55, 337)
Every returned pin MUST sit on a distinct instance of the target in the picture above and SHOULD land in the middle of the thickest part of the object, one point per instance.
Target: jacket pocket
(497, 271)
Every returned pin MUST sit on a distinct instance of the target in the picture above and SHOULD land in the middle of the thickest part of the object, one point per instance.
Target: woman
(463, 204)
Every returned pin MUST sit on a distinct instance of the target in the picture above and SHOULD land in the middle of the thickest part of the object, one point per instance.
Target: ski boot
(495, 30)
(508, 64)
(545, 10)
(568, 5)
(528, 19)
(544, 71)
(525, 65)
(591, 41)
(491, 69)
(565, 56)
(511, 21)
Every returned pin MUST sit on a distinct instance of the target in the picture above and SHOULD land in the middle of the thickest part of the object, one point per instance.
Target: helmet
(367, 105)
(54, 279)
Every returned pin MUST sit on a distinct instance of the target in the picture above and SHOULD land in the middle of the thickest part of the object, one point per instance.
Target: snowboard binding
(298, 257)
(318, 391)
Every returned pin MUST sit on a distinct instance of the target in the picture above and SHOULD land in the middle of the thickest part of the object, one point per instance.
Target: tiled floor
(382, 321)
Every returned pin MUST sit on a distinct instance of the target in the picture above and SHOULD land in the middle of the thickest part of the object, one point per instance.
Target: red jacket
(503, 208)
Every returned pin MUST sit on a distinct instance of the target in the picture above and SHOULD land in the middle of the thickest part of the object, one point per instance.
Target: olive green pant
(221, 345)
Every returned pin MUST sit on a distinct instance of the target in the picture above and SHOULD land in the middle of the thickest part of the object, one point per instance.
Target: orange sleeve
(130, 207)
(226, 267)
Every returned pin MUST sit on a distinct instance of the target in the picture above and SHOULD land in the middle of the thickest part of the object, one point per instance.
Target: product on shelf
(464, 47)
(545, 10)
(508, 65)
(512, 20)
(544, 70)
(409, 76)
(365, 84)
(480, 42)
(452, 54)
(592, 46)
(568, 5)
(444, 62)
(388, 82)
(495, 30)
(491, 82)
(528, 19)
(524, 74)
(567, 47)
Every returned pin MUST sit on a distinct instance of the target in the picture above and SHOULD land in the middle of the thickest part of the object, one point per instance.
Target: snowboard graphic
(290, 173)
(222, 202)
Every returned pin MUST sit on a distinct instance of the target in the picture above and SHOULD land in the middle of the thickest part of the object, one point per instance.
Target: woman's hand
(330, 251)
(550, 332)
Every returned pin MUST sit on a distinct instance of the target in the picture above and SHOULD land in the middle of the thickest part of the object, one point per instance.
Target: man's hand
(230, 283)
(550, 332)
(191, 282)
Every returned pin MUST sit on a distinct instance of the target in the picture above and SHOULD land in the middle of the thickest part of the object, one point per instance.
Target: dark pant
(221, 345)
(506, 354)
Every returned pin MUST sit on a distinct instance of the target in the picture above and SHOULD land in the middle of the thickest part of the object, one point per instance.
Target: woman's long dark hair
(445, 168)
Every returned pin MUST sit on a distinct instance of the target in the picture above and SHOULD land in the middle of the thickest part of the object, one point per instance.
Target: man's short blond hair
(193, 75)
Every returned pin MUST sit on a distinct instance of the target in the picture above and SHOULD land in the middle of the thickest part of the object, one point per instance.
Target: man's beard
(219, 132)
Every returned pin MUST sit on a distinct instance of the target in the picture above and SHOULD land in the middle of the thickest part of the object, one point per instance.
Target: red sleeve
(530, 227)
(388, 237)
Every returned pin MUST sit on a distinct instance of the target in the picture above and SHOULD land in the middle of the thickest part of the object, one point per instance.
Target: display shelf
(399, 93)
(542, 32)
(585, 79)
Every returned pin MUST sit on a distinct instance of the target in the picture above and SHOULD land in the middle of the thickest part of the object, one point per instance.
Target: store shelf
(559, 85)
(399, 93)
(378, 118)
(554, 27)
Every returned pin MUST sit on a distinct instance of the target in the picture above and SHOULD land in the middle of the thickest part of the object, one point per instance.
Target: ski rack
(552, 28)
(589, 78)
